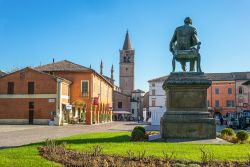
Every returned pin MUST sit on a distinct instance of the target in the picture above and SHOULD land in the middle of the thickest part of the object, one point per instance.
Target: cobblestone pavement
(17, 135)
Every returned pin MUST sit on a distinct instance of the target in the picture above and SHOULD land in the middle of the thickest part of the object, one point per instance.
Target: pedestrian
(221, 120)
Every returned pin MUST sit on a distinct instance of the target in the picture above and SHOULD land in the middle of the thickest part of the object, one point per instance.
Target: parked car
(244, 120)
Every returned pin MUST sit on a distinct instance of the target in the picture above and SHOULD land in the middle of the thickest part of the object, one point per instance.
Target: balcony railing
(85, 94)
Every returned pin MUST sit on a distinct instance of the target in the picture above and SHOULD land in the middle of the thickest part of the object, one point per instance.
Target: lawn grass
(118, 143)
(24, 156)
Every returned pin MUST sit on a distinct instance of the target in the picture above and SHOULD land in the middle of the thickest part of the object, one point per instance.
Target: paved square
(17, 135)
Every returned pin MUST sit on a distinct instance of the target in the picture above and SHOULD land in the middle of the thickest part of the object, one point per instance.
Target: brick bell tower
(127, 66)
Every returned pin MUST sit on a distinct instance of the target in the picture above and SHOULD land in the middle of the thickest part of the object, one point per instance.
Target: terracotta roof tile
(64, 65)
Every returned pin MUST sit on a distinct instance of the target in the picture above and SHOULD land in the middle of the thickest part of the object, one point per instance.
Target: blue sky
(33, 32)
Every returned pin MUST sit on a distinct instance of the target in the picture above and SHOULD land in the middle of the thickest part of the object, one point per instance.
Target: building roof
(69, 66)
(220, 76)
(2, 73)
(64, 65)
(138, 91)
(158, 79)
(29, 68)
(109, 79)
(127, 44)
(246, 83)
(216, 76)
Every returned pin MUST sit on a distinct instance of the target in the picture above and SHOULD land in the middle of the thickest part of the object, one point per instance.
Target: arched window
(240, 90)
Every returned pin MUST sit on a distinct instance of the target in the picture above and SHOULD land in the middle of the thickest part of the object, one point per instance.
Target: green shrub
(140, 128)
(137, 135)
(242, 135)
(227, 132)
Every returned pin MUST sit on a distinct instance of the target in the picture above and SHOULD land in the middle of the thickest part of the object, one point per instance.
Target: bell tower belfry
(127, 67)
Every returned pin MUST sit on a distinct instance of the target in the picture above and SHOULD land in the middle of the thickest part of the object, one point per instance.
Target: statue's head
(188, 20)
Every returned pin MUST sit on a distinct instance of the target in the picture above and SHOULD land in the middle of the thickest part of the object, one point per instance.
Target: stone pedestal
(187, 116)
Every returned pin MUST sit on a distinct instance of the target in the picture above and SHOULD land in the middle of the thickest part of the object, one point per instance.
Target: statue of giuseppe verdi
(185, 46)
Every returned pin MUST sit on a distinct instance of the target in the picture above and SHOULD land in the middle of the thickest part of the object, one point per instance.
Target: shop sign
(52, 100)
(68, 107)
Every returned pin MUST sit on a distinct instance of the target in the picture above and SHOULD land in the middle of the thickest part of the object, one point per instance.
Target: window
(10, 87)
(217, 91)
(31, 105)
(153, 102)
(153, 84)
(229, 90)
(31, 87)
(133, 111)
(22, 75)
(153, 92)
(240, 90)
(217, 103)
(124, 59)
(85, 88)
(230, 103)
(119, 104)
(208, 103)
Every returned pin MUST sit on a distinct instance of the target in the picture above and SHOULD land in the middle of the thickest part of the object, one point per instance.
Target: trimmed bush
(242, 135)
(227, 132)
(137, 135)
(140, 128)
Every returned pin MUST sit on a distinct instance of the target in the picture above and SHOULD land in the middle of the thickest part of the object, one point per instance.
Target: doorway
(31, 113)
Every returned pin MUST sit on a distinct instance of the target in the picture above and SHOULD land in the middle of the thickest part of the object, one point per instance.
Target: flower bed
(95, 158)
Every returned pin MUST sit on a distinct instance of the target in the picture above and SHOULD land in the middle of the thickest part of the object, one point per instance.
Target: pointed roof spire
(101, 68)
(127, 44)
(112, 72)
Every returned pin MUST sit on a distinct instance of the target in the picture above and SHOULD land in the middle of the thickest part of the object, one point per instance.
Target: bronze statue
(185, 46)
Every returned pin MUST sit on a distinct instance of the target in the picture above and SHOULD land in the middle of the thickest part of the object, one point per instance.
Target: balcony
(84, 94)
